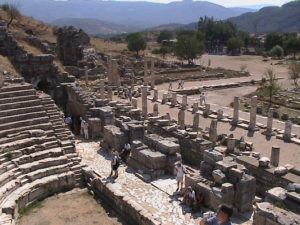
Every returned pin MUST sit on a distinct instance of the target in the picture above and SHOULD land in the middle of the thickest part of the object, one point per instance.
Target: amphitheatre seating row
(37, 153)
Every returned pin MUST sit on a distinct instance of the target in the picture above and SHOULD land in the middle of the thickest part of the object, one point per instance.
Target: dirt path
(76, 207)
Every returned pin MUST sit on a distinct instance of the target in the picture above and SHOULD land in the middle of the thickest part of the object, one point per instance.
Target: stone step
(18, 99)
(51, 144)
(23, 143)
(69, 149)
(22, 104)
(13, 139)
(44, 163)
(6, 177)
(23, 123)
(15, 87)
(6, 166)
(10, 203)
(59, 130)
(17, 93)
(18, 111)
(8, 188)
(25, 116)
(6, 219)
(38, 174)
(36, 156)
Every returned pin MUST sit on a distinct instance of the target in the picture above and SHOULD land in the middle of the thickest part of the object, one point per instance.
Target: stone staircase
(37, 151)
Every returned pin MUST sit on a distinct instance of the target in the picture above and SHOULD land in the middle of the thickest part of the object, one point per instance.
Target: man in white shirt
(180, 171)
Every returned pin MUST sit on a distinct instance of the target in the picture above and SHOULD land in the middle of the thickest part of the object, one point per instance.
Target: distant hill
(283, 19)
(95, 27)
(137, 14)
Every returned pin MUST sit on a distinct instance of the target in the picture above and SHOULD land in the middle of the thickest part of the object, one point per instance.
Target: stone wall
(266, 177)
(44, 45)
(132, 211)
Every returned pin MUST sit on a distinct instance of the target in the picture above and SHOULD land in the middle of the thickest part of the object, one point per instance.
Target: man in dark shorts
(115, 163)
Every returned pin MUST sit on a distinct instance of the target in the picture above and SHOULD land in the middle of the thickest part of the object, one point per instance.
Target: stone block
(168, 147)
(152, 160)
(236, 174)
(219, 177)
(211, 157)
(276, 194)
(264, 162)
(225, 166)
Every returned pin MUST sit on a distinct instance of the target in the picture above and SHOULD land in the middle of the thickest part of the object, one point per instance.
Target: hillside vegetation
(282, 19)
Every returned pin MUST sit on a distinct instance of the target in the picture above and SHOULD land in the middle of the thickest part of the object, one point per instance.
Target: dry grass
(20, 25)
(108, 47)
(5, 65)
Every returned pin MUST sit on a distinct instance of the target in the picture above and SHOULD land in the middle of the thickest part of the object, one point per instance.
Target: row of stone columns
(113, 75)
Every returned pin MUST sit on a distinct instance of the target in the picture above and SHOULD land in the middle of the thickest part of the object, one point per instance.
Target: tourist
(86, 130)
(180, 171)
(182, 84)
(189, 196)
(82, 122)
(170, 85)
(222, 217)
(130, 94)
(115, 162)
(68, 121)
(126, 152)
(179, 84)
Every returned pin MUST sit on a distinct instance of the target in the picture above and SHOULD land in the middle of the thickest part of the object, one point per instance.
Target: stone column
(206, 110)
(195, 107)
(155, 94)
(275, 156)
(213, 131)
(181, 115)
(155, 109)
(102, 89)
(144, 102)
(230, 144)
(184, 101)
(152, 74)
(146, 71)
(86, 74)
(253, 113)
(174, 99)
(109, 94)
(164, 98)
(236, 107)
(134, 103)
(196, 122)
(287, 131)
(270, 122)
(115, 74)
(109, 71)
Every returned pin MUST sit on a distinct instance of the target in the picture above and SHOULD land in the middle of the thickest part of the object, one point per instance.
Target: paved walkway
(158, 197)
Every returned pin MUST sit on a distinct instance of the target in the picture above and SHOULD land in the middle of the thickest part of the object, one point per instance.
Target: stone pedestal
(102, 89)
(113, 75)
(196, 121)
(155, 110)
(181, 115)
(195, 107)
(144, 102)
(213, 131)
(174, 99)
(155, 94)
(184, 101)
(220, 114)
(134, 103)
(230, 145)
(287, 131)
(164, 98)
(236, 106)
(275, 156)
(206, 111)
(253, 111)
(270, 122)
(86, 74)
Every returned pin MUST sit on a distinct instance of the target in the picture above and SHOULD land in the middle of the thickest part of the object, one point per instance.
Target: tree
(292, 46)
(234, 44)
(294, 72)
(136, 43)
(272, 40)
(164, 50)
(13, 12)
(270, 87)
(188, 46)
(165, 35)
(277, 51)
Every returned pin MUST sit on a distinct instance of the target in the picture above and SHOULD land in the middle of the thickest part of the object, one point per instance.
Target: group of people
(180, 84)
(195, 199)
(84, 128)
(116, 159)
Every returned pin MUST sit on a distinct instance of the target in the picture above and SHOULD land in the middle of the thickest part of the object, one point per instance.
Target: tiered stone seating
(37, 153)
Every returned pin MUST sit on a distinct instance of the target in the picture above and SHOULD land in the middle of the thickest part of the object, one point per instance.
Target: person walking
(170, 85)
(180, 171)
(115, 163)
